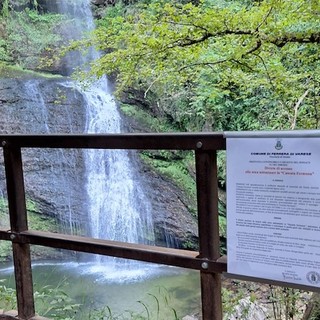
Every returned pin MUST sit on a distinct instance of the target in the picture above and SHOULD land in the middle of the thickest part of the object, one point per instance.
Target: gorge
(101, 194)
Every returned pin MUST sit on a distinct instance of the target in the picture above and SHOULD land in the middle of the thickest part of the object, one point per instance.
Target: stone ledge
(8, 315)
(13, 315)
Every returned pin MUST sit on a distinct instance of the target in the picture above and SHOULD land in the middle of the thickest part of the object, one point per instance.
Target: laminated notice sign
(273, 205)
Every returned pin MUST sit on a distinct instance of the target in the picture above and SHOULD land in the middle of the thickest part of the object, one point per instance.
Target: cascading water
(62, 161)
(118, 207)
(32, 87)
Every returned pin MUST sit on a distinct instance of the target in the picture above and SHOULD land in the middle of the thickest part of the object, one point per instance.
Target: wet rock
(249, 310)
(55, 179)
(173, 222)
(189, 318)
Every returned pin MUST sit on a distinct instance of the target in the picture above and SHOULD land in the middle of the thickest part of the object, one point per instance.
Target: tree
(229, 64)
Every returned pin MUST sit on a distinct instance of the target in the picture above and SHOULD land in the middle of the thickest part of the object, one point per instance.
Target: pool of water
(125, 291)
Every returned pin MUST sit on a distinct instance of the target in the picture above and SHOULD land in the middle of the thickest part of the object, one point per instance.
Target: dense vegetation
(29, 39)
(196, 65)
(217, 64)
(205, 65)
(214, 65)
(199, 65)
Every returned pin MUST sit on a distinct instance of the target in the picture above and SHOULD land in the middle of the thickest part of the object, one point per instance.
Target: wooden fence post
(209, 241)
(18, 222)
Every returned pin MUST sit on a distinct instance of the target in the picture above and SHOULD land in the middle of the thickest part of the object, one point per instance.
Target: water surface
(125, 292)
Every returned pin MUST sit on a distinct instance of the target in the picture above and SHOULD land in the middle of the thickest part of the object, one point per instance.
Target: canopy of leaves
(221, 65)
(27, 36)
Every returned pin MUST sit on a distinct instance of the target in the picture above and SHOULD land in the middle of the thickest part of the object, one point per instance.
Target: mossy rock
(16, 72)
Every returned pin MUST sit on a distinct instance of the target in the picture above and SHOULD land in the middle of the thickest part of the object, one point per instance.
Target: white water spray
(118, 207)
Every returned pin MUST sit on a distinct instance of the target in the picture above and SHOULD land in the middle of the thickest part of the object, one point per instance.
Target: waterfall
(118, 207)
(119, 210)
(32, 87)
(61, 161)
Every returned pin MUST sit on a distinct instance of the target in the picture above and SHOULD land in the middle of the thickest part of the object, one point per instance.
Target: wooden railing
(207, 260)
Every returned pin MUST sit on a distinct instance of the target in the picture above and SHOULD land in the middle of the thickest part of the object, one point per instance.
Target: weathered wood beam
(142, 141)
(209, 240)
(18, 223)
(160, 255)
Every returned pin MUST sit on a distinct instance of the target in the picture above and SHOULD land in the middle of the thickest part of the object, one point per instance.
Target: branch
(210, 64)
(279, 41)
(265, 67)
(188, 25)
(189, 42)
(152, 83)
(255, 48)
(264, 19)
(241, 63)
(282, 41)
(296, 107)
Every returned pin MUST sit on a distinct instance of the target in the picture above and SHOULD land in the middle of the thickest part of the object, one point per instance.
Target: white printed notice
(273, 205)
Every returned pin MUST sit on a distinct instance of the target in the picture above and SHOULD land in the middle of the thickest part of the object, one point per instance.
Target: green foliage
(10, 71)
(222, 166)
(174, 166)
(163, 309)
(101, 313)
(284, 302)
(4, 56)
(154, 306)
(5, 9)
(49, 301)
(7, 296)
(156, 124)
(280, 302)
(313, 306)
(230, 299)
(30, 37)
(5, 250)
(218, 65)
(53, 302)
(114, 11)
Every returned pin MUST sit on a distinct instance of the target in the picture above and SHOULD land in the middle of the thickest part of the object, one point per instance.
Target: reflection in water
(173, 289)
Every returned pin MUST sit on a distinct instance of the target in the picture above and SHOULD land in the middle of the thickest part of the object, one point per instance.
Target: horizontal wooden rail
(160, 255)
(147, 141)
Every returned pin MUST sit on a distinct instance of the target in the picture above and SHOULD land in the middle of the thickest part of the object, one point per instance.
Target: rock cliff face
(55, 179)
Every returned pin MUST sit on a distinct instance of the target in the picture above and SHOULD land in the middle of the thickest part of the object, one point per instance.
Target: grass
(55, 303)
